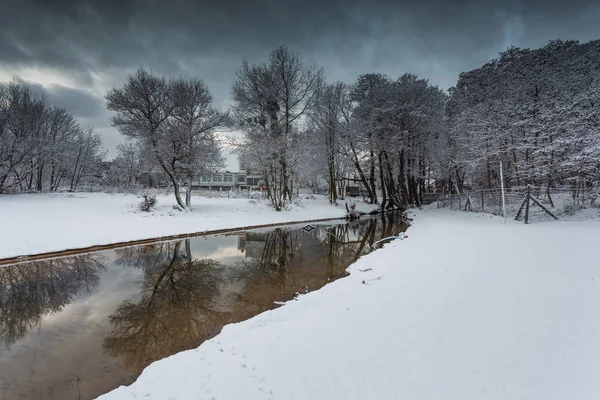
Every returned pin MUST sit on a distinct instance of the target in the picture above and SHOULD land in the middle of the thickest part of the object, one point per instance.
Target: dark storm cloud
(88, 108)
(210, 37)
(96, 43)
(80, 102)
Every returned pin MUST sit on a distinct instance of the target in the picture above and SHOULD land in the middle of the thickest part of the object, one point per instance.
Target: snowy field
(38, 223)
(467, 308)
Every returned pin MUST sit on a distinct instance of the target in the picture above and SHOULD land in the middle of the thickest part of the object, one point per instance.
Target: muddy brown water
(77, 327)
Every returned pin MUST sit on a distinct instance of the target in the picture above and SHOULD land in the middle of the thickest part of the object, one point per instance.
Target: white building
(228, 179)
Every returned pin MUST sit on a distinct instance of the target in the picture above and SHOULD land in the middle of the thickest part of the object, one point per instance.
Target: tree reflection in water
(185, 301)
(179, 302)
(31, 290)
(293, 261)
(174, 312)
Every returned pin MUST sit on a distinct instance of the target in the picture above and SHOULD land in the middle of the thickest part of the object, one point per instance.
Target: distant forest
(535, 111)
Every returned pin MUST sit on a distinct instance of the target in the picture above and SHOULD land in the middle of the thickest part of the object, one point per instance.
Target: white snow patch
(467, 307)
(39, 223)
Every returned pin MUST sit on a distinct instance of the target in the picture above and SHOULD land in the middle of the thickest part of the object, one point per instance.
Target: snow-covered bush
(298, 203)
(148, 203)
(352, 212)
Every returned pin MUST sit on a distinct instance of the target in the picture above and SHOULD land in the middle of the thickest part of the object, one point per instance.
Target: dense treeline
(534, 111)
(376, 133)
(537, 112)
(42, 147)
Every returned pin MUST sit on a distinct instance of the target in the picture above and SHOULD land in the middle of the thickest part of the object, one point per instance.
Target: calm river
(79, 326)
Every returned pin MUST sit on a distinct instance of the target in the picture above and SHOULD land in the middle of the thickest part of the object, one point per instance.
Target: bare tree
(41, 146)
(21, 122)
(175, 119)
(126, 167)
(192, 131)
(142, 108)
(87, 156)
(270, 101)
(61, 132)
(327, 121)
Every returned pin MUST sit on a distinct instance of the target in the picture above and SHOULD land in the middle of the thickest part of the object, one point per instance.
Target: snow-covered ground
(468, 307)
(39, 223)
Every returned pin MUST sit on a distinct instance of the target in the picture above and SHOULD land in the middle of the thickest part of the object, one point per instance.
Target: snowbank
(468, 307)
(39, 223)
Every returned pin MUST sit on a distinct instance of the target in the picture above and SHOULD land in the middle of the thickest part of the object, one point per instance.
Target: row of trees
(536, 111)
(297, 129)
(42, 147)
(377, 132)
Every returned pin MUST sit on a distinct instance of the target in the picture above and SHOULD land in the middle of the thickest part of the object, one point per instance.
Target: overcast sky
(74, 51)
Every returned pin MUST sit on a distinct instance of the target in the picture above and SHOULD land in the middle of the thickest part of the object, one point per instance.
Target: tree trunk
(363, 179)
(75, 168)
(402, 180)
(188, 192)
(372, 176)
(422, 174)
(332, 185)
(40, 178)
(188, 250)
(30, 179)
(550, 175)
(382, 182)
(331, 166)
(392, 189)
(410, 181)
(285, 184)
(2, 182)
(171, 176)
(52, 175)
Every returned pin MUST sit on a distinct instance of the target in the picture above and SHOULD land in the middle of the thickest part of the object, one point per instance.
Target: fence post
(502, 186)
(527, 205)
(540, 205)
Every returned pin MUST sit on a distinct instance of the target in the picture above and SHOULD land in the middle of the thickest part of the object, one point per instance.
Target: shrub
(148, 203)
(572, 209)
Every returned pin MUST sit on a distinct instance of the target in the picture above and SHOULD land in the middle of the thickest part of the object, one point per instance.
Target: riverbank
(42, 223)
(468, 307)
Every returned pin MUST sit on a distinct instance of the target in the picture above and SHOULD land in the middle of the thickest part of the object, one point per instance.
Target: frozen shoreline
(42, 223)
(468, 307)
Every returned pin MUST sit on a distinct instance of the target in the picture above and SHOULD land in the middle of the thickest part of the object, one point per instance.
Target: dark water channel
(79, 326)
